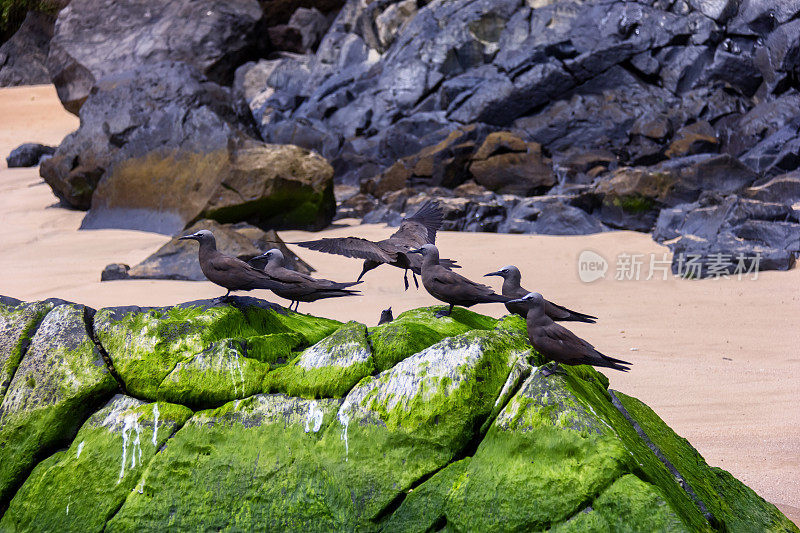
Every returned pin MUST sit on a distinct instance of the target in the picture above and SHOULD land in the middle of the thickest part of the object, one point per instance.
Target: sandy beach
(718, 360)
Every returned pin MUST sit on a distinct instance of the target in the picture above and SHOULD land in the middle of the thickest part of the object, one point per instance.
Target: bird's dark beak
(417, 251)
(262, 256)
(492, 274)
(188, 238)
(517, 301)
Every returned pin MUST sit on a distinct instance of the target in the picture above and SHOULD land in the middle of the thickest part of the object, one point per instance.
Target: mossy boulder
(206, 343)
(60, 381)
(417, 329)
(18, 322)
(250, 464)
(99, 470)
(330, 368)
(463, 433)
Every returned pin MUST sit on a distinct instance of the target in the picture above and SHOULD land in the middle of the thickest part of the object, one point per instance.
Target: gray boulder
(23, 56)
(718, 235)
(178, 259)
(29, 155)
(158, 171)
(94, 39)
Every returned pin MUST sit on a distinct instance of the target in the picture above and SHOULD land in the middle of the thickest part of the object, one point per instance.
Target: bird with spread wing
(414, 232)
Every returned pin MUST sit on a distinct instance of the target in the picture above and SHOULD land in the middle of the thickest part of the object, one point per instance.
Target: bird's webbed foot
(444, 312)
(555, 369)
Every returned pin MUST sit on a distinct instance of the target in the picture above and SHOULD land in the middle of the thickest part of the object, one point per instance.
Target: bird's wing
(243, 272)
(350, 247)
(560, 333)
(421, 227)
(559, 312)
(447, 277)
(412, 233)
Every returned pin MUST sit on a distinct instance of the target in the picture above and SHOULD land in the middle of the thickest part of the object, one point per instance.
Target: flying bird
(227, 271)
(557, 343)
(415, 231)
(298, 287)
(512, 288)
(449, 287)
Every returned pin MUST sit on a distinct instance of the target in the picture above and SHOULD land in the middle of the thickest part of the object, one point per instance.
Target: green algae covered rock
(728, 500)
(146, 345)
(249, 465)
(415, 330)
(629, 504)
(199, 381)
(329, 369)
(411, 420)
(18, 322)
(61, 380)
(100, 469)
(460, 432)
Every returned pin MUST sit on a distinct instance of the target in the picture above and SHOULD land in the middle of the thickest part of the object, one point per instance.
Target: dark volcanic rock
(506, 164)
(23, 56)
(783, 189)
(178, 259)
(96, 38)
(28, 155)
(716, 235)
(632, 197)
(777, 153)
(158, 171)
(549, 216)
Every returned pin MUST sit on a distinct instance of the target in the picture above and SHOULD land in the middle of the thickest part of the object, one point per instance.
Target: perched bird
(559, 344)
(450, 287)
(512, 288)
(386, 316)
(298, 287)
(225, 270)
(416, 230)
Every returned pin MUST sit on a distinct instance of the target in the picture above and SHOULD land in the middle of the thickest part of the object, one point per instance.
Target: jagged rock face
(23, 56)
(93, 39)
(158, 171)
(399, 429)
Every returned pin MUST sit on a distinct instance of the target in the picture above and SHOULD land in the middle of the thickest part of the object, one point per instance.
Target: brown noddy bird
(298, 287)
(227, 271)
(416, 230)
(449, 287)
(512, 288)
(559, 344)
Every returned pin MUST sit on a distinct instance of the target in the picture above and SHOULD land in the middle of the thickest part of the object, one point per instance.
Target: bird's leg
(414, 277)
(297, 307)
(405, 278)
(226, 296)
(555, 369)
(443, 312)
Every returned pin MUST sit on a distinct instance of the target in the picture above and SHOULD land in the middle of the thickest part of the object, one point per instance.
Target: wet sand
(718, 360)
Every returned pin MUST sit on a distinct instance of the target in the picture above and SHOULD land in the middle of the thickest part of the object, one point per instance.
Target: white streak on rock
(131, 424)
(80, 449)
(137, 446)
(155, 425)
(344, 419)
(315, 414)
